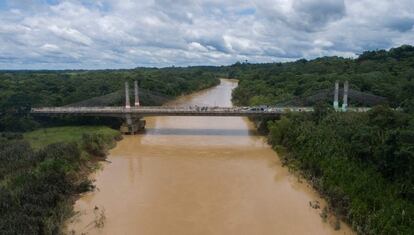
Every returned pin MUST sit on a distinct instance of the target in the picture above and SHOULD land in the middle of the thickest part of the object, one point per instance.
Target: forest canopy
(363, 163)
(21, 90)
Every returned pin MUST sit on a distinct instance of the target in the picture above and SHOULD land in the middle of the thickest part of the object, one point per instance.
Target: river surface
(198, 175)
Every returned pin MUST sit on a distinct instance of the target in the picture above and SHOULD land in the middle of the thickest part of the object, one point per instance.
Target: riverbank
(340, 154)
(42, 172)
(362, 163)
(358, 162)
(345, 157)
(45, 136)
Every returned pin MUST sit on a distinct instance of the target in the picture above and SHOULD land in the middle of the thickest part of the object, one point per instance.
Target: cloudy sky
(74, 34)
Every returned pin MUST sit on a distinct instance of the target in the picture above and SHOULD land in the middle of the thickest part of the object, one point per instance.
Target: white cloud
(195, 46)
(50, 47)
(127, 33)
(323, 43)
(70, 34)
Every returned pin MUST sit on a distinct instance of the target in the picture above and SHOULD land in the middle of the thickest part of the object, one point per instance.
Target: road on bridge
(169, 111)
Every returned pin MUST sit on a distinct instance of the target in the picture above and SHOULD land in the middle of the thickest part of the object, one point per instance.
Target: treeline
(21, 90)
(388, 74)
(363, 163)
(37, 186)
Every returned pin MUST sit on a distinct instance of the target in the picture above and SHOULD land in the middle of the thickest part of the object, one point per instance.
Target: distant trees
(383, 73)
(363, 163)
(22, 90)
(36, 186)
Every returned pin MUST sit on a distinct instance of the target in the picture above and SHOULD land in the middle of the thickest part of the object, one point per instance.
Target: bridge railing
(169, 109)
(154, 110)
(178, 109)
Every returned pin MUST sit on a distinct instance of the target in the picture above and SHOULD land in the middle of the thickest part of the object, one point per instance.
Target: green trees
(363, 163)
(383, 73)
(32, 192)
(96, 144)
(36, 186)
(22, 90)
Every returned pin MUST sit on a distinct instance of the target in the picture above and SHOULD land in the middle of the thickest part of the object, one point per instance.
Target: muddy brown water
(198, 175)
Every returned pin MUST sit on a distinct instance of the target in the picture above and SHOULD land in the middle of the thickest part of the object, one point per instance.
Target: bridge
(134, 115)
(170, 111)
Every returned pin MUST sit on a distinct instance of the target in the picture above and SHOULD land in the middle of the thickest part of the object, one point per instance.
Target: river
(198, 175)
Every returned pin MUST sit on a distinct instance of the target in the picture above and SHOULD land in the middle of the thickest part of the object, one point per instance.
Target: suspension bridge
(134, 115)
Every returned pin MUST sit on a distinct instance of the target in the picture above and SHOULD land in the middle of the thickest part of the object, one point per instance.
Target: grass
(42, 137)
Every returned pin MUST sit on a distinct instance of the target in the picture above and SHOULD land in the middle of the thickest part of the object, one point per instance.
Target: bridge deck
(168, 111)
(174, 111)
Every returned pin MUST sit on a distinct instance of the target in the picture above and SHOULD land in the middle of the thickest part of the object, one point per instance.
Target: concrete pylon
(336, 96)
(127, 103)
(345, 102)
(136, 93)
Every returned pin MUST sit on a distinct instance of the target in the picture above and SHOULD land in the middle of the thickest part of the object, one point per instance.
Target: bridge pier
(132, 125)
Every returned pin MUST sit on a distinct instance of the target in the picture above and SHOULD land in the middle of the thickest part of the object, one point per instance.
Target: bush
(95, 144)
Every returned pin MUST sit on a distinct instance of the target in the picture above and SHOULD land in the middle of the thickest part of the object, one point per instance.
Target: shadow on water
(200, 132)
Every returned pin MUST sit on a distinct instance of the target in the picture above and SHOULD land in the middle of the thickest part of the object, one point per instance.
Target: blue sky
(86, 34)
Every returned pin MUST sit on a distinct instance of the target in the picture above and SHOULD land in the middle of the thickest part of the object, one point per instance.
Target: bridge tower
(336, 96)
(127, 103)
(136, 93)
(132, 123)
(345, 102)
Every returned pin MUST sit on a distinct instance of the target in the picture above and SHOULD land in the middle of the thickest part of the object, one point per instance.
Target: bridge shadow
(200, 132)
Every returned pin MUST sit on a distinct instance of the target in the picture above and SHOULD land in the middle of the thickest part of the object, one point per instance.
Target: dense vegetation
(21, 90)
(363, 163)
(390, 75)
(41, 170)
(37, 185)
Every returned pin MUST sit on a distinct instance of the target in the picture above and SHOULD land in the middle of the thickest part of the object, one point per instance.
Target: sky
(111, 34)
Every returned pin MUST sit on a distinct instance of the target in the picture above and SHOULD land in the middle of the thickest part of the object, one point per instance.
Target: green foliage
(42, 137)
(278, 130)
(36, 185)
(21, 90)
(40, 170)
(95, 144)
(384, 73)
(32, 198)
(363, 163)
